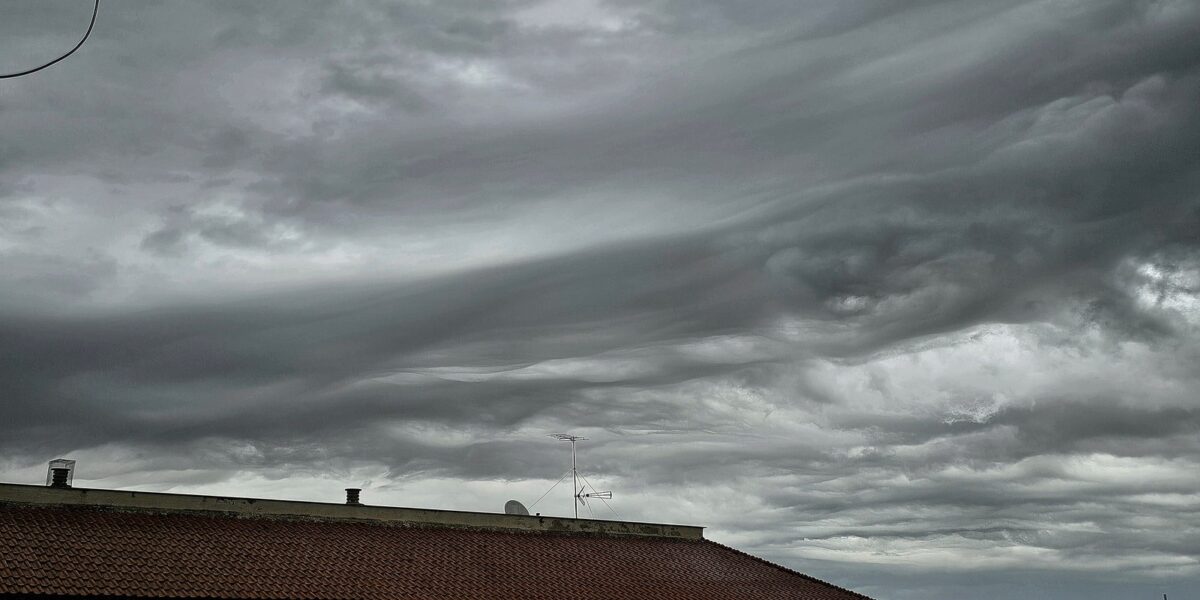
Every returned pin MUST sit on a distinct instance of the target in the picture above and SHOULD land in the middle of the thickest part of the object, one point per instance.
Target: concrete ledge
(254, 507)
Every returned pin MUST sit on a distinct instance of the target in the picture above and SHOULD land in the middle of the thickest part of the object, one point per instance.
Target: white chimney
(61, 463)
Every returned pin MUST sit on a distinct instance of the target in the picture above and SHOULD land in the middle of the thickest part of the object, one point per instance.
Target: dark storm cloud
(886, 291)
(324, 340)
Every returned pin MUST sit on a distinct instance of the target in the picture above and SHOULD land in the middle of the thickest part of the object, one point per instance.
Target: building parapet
(293, 509)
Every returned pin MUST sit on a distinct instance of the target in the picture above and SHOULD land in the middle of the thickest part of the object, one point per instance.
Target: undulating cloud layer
(905, 295)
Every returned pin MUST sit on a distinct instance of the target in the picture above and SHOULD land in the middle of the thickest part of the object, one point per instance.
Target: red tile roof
(88, 550)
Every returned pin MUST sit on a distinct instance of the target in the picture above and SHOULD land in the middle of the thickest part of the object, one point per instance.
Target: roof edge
(15, 493)
(789, 570)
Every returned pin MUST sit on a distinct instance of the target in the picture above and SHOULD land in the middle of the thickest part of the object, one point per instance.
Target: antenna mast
(575, 491)
(578, 492)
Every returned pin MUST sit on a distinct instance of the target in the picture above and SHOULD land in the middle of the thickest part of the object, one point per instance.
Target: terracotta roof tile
(94, 551)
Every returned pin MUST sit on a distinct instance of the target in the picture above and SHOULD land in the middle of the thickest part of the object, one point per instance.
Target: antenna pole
(577, 495)
(575, 480)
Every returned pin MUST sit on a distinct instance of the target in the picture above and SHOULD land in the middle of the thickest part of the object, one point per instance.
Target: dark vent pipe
(352, 496)
(58, 477)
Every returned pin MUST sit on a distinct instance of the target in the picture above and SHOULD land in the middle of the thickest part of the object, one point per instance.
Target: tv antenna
(579, 493)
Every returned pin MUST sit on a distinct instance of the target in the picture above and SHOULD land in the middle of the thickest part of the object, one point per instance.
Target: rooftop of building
(79, 542)
(294, 509)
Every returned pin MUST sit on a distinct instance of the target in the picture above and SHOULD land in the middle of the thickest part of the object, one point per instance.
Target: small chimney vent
(352, 496)
(61, 473)
(58, 477)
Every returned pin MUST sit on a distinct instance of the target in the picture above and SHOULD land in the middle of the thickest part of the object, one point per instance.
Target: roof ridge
(213, 513)
(161, 501)
(786, 569)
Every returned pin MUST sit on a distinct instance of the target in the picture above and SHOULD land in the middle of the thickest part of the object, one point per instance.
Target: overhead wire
(560, 480)
(95, 10)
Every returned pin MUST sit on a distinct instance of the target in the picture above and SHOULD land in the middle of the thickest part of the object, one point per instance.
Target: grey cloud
(36, 276)
(351, 82)
(225, 228)
(861, 285)
(514, 316)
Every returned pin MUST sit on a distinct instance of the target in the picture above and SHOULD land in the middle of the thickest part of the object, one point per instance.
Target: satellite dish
(512, 507)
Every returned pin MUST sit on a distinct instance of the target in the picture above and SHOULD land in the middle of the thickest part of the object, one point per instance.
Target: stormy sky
(903, 295)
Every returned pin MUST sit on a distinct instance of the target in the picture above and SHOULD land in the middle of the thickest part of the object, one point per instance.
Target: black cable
(560, 479)
(95, 9)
